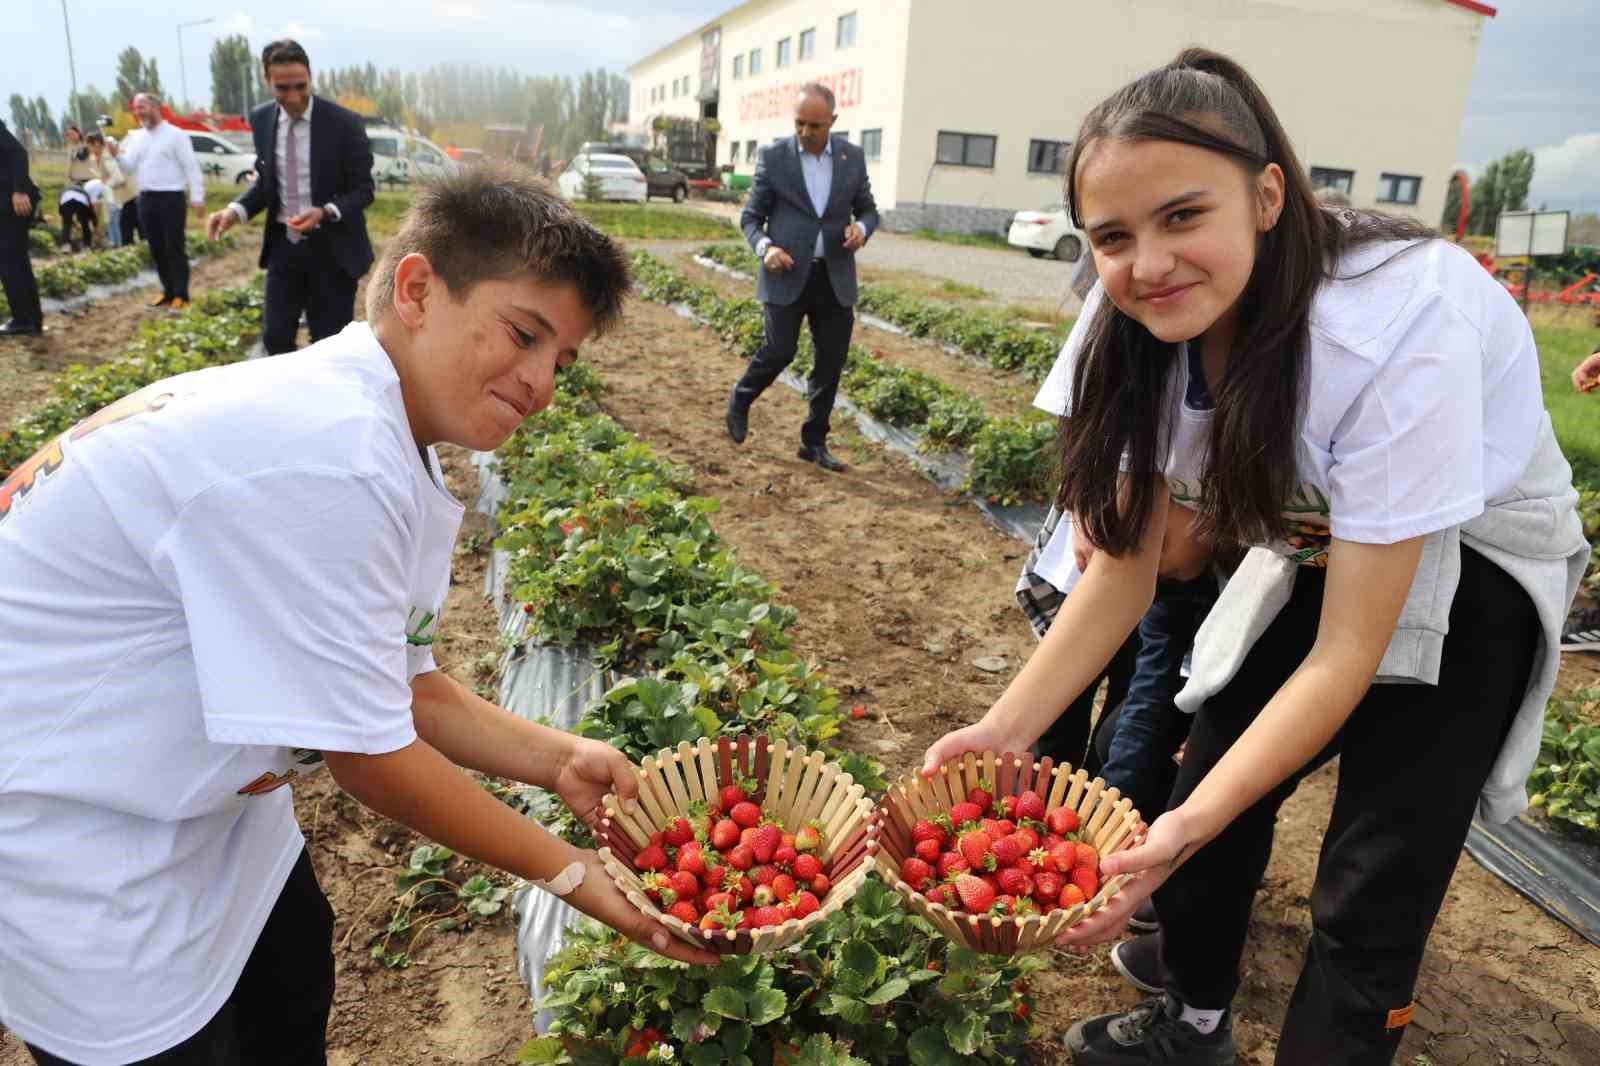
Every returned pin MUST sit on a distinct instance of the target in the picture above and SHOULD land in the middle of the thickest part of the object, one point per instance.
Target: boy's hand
(599, 898)
(590, 770)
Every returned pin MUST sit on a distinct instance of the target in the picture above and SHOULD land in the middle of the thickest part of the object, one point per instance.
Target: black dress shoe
(18, 329)
(822, 458)
(738, 420)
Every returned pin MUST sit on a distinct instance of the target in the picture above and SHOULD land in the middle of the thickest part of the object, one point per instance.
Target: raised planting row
(982, 334)
(608, 547)
(1011, 457)
(69, 276)
(218, 328)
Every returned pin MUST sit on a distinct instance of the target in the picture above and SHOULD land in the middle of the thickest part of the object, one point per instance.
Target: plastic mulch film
(102, 291)
(1558, 873)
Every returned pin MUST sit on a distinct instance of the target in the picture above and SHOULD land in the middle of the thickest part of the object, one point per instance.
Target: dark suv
(661, 177)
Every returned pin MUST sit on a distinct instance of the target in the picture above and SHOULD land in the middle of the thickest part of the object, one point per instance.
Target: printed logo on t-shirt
(421, 625)
(1308, 538)
(49, 459)
(269, 781)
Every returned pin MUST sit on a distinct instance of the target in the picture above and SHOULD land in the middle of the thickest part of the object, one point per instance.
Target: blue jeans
(114, 224)
(1150, 728)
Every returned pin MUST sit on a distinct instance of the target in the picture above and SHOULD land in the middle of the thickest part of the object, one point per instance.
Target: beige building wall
(652, 85)
(1371, 86)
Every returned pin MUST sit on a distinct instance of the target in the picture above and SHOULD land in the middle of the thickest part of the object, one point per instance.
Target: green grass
(962, 291)
(1563, 342)
(971, 240)
(655, 222)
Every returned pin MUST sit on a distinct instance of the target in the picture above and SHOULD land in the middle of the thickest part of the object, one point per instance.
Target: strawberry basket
(795, 790)
(916, 807)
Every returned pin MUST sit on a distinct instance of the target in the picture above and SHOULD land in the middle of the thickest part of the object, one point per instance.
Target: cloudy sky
(1535, 84)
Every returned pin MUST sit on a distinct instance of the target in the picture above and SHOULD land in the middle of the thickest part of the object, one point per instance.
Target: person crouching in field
(231, 578)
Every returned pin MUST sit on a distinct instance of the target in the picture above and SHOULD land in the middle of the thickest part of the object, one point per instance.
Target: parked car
(222, 159)
(661, 177)
(399, 156)
(1047, 231)
(620, 178)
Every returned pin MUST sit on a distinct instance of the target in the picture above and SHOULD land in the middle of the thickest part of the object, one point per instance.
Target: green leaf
(545, 1049)
(851, 1010)
(864, 959)
(965, 1034)
(737, 1037)
(767, 1006)
(928, 1047)
(728, 1002)
(891, 990)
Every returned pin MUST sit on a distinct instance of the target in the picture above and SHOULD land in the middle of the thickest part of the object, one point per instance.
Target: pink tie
(291, 185)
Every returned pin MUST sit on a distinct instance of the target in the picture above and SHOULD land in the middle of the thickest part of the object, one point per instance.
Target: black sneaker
(1139, 960)
(1582, 631)
(1150, 1033)
(1143, 919)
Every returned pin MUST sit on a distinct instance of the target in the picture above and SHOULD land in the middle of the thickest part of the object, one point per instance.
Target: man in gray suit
(798, 220)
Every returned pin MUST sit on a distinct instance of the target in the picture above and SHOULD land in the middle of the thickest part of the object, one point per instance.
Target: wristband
(564, 883)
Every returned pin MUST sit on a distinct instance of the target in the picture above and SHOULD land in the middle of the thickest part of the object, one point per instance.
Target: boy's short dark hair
(497, 220)
(284, 51)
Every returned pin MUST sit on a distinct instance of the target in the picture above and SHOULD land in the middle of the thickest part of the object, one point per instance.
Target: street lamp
(72, 67)
(183, 74)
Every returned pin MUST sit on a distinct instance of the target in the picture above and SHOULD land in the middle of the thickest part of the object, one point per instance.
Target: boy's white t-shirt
(1423, 400)
(205, 584)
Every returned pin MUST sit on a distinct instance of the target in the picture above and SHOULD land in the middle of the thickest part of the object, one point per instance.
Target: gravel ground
(1010, 275)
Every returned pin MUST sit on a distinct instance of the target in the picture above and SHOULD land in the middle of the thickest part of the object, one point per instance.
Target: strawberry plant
(1012, 458)
(1565, 782)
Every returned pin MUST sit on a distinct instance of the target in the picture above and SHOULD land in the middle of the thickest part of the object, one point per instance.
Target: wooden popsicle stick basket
(1107, 822)
(796, 787)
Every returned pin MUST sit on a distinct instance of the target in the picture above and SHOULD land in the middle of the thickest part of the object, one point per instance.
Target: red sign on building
(778, 101)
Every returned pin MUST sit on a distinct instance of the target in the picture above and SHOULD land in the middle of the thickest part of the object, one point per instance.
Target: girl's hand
(599, 898)
(1153, 859)
(979, 737)
(589, 771)
(1586, 375)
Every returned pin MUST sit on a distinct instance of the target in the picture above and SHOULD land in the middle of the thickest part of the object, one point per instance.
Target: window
(755, 61)
(388, 147)
(738, 65)
(750, 151)
(872, 144)
(783, 52)
(847, 31)
(808, 43)
(1328, 178)
(1048, 157)
(733, 152)
(1398, 189)
(966, 149)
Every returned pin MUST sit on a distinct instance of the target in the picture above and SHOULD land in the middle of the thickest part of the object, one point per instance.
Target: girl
(1362, 404)
(75, 203)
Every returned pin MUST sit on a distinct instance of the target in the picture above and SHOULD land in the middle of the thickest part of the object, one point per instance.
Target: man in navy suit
(798, 219)
(18, 197)
(314, 178)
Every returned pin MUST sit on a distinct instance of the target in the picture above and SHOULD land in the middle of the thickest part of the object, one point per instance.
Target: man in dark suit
(314, 178)
(18, 195)
(798, 220)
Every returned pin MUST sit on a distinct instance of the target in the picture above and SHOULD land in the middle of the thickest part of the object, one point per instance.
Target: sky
(1534, 85)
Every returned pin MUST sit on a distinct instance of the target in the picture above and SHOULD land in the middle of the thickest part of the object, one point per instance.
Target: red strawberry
(809, 838)
(742, 857)
(655, 885)
(1041, 860)
(714, 900)
(678, 832)
(658, 838)
(945, 894)
(858, 712)
(928, 850)
(806, 868)
(1030, 806)
(691, 860)
(1013, 882)
(1006, 851)
(743, 887)
(1027, 865)
(952, 863)
(746, 814)
(1008, 804)
(651, 858)
(725, 834)
(991, 826)
(747, 919)
(716, 921)
(935, 828)
(805, 903)
(786, 911)
(1087, 856)
(1027, 838)
(684, 911)
(1047, 886)
(767, 915)
(786, 840)
(974, 846)
(685, 884)
(820, 885)
(784, 856)
(1007, 827)
(715, 872)
(1065, 855)
(1087, 880)
(783, 886)
(1004, 905)
(731, 796)
(1062, 820)
(766, 842)
(962, 813)
(747, 835)
(764, 874)
(982, 794)
(915, 872)
(1071, 896)
(976, 894)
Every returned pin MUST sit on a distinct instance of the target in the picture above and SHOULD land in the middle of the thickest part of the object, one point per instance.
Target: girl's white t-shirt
(206, 584)
(1423, 400)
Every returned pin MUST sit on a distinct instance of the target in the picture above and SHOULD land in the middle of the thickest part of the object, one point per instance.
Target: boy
(233, 570)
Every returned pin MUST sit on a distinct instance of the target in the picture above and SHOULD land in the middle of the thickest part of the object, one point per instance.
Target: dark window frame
(1061, 150)
(967, 140)
(870, 153)
(783, 53)
(1349, 177)
(801, 52)
(838, 30)
(1416, 188)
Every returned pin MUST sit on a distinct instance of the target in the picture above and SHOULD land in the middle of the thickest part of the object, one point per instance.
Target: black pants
(831, 326)
(129, 221)
(1412, 760)
(1067, 739)
(161, 219)
(16, 270)
(72, 211)
(304, 277)
(278, 1012)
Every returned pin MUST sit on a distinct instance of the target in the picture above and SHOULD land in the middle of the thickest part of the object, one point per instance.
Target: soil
(897, 621)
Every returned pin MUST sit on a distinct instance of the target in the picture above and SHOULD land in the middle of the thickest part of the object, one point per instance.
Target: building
(965, 110)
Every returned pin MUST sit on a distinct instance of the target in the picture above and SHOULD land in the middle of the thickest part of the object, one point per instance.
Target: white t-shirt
(1423, 400)
(205, 584)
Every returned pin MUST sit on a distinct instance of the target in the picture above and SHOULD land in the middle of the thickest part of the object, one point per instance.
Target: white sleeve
(133, 146)
(1407, 457)
(294, 584)
(1055, 394)
(191, 167)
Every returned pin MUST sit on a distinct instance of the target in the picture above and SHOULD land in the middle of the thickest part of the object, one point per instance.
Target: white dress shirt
(301, 131)
(162, 160)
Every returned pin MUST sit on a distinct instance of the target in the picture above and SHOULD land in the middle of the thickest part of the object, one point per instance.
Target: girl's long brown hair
(1119, 385)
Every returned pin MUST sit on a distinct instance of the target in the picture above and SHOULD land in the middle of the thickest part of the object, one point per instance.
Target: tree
(1516, 173)
(233, 75)
(152, 79)
(88, 105)
(1452, 205)
(21, 113)
(1485, 197)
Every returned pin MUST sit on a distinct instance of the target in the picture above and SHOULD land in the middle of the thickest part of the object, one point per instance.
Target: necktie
(291, 180)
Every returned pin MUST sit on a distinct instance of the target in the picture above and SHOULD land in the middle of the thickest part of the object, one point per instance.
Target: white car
(1047, 231)
(402, 157)
(620, 178)
(222, 159)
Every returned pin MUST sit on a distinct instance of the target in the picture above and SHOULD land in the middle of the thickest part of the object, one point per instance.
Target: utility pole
(183, 74)
(72, 66)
